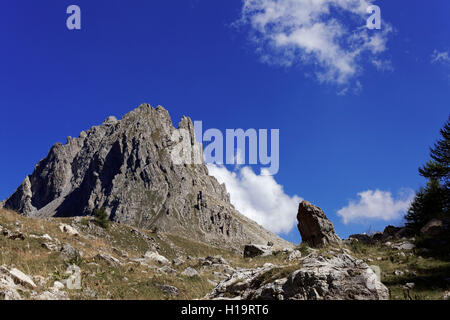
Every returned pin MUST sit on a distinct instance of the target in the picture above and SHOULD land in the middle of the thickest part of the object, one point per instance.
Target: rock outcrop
(126, 166)
(340, 277)
(315, 228)
(435, 227)
(254, 250)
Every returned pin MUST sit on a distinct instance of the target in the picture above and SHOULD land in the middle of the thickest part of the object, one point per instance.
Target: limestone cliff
(126, 167)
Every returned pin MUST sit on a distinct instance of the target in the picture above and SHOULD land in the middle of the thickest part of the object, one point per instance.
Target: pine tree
(438, 166)
(429, 203)
(433, 201)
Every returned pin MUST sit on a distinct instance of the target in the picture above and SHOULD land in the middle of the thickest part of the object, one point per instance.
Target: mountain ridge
(125, 166)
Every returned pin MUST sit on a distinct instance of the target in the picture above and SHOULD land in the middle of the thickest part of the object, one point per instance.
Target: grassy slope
(134, 281)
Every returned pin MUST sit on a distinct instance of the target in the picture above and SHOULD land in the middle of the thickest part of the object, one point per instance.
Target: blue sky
(193, 58)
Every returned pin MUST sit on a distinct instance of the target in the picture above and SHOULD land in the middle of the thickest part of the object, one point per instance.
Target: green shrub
(101, 217)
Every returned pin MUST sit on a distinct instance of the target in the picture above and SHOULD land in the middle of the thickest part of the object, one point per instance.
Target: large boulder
(254, 250)
(18, 277)
(341, 277)
(435, 227)
(314, 226)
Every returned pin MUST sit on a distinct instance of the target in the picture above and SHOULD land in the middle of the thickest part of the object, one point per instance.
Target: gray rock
(155, 257)
(405, 245)
(69, 253)
(113, 262)
(177, 262)
(190, 272)
(294, 255)
(167, 269)
(170, 290)
(254, 250)
(398, 273)
(127, 167)
(409, 286)
(49, 246)
(377, 271)
(435, 227)
(65, 228)
(341, 277)
(8, 288)
(314, 226)
(18, 277)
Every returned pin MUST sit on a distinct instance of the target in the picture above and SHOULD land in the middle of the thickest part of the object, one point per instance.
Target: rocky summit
(125, 166)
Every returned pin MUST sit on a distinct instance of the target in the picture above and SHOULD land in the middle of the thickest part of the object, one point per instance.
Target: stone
(405, 245)
(409, 286)
(340, 277)
(49, 246)
(69, 253)
(170, 290)
(435, 227)
(377, 271)
(129, 167)
(40, 280)
(212, 261)
(155, 257)
(167, 270)
(177, 262)
(398, 273)
(8, 288)
(254, 250)
(113, 262)
(314, 226)
(73, 282)
(58, 285)
(47, 237)
(295, 255)
(391, 232)
(65, 228)
(190, 272)
(18, 277)
(15, 235)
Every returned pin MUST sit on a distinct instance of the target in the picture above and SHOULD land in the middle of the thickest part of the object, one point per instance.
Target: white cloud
(259, 197)
(383, 65)
(328, 34)
(377, 205)
(440, 57)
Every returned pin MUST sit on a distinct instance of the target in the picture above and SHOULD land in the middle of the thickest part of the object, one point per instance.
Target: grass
(128, 281)
(429, 270)
(429, 274)
(276, 273)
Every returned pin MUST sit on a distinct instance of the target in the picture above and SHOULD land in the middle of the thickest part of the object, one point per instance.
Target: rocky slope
(74, 258)
(126, 167)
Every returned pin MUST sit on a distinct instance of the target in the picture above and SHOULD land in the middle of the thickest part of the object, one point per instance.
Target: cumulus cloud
(377, 205)
(328, 34)
(259, 197)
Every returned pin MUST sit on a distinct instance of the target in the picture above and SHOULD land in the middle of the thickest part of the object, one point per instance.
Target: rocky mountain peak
(125, 166)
